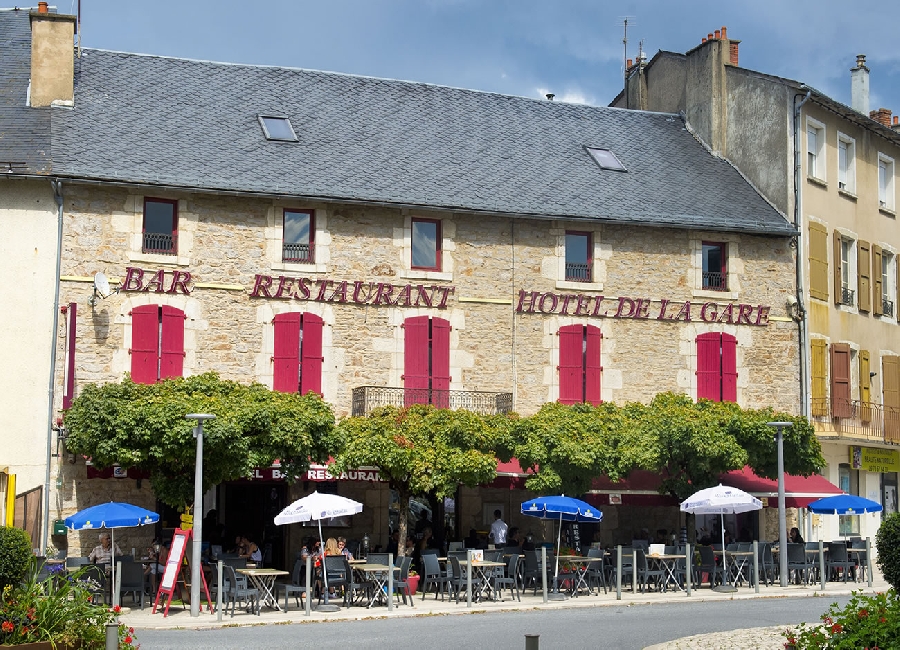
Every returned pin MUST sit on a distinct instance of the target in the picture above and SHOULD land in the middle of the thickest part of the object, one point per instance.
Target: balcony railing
(368, 398)
(578, 272)
(855, 419)
(887, 307)
(160, 243)
(297, 252)
(714, 281)
(847, 295)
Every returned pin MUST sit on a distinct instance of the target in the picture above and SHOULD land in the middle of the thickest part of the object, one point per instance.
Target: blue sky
(572, 48)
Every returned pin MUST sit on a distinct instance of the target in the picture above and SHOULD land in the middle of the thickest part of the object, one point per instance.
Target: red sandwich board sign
(175, 565)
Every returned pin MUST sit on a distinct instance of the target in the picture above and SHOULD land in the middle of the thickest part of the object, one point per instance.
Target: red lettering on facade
(357, 287)
(383, 296)
(303, 285)
(180, 279)
(684, 313)
(713, 309)
(642, 310)
(261, 286)
(285, 284)
(554, 300)
(762, 315)
(445, 293)
(403, 298)
(532, 299)
(133, 279)
(340, 293)
(726, 314)
(156, 283)
(581, 307)
(621, 309)
(422, 296)
(566, 299)
(662, 309)
(323, 287)
(596, 312)
(744, 312)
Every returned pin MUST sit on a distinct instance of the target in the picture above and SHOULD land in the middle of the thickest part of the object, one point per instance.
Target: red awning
(799, 491)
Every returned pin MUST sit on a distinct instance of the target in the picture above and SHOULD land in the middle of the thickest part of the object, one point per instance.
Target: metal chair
(297, 586)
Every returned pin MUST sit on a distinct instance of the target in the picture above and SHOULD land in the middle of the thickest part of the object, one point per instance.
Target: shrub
(887, 541)
(867, 621)
(15, 553)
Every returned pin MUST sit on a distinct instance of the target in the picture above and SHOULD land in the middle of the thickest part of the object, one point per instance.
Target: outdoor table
(264, 580)
(736, 569)
(581, 564)
(377, 575)
(480, 574)
(668, 563)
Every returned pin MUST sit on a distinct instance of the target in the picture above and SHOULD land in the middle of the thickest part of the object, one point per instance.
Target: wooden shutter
(890, 386)
(863, 269)
(145, 344)
(818, 377)
(729, 368)
(440, 362)
(286, 357)
(818, 261)
(840, 380)
(836, 246)
(592, 367)
(865, 387)
(171, 361)
(897, 284)
(311, 354)
(416, 360)
(877, 304)
(571, 364)
(709, 366)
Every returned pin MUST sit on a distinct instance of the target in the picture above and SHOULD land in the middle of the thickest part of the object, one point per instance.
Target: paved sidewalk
(758, 638)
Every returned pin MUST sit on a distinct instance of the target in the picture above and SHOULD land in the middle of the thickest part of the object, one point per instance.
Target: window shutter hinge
(402, 376)
(272, 359)
(129, 312)
(129, 350)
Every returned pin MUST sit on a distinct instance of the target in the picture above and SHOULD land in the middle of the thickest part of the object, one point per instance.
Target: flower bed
(870, 622)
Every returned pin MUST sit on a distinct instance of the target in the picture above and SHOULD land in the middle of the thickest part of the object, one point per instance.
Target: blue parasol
(844, 504)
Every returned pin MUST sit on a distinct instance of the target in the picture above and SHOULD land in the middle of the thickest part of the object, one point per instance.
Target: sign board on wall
(872, 459)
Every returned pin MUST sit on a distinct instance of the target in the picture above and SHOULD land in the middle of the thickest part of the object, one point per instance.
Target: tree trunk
(404, 496)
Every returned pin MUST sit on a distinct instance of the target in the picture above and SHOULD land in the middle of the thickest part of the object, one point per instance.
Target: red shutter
(709, 366)
(286, 357)
(69, 383)
(171, 362)
(440, 363)
(571, 364)
(311, 355)
(729, 368)
(416, 360)
(592, 365)
(840, 381)
(145, 344)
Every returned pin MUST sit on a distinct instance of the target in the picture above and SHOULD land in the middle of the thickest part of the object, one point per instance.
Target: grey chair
(456, 578)
(76, 562)
(837, 560)
(647, 572)
(766, 560)
(432, 575)
(337, 571)
(596, 571)
(132, 581)
(297, 587)
(509, 579)
(798, 562)
(401, 584)
(236, 590)
(708, 566)
(627, 565)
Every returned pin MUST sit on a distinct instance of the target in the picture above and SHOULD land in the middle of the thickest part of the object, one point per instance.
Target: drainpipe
(802, 321)
(57, 194)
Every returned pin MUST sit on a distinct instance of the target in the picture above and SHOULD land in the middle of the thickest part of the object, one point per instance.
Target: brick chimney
(859, 86)
(882, 116)
(896, 124)
(52, 58)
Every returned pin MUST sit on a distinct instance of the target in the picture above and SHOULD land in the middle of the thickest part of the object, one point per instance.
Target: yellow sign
(876, 460)
(187, 522)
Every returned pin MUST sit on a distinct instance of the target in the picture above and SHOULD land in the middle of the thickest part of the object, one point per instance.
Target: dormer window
(277, 128)
(606, 159)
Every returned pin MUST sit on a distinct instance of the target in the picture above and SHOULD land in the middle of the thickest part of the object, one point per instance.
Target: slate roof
(24, 131)
(193, 124)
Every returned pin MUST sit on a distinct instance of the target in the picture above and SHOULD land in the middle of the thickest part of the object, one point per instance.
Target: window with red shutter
(579, 364)
(841, 406)
(426, 366)
(297, 358)
(311, 354)
(157, 343)
(717, 367)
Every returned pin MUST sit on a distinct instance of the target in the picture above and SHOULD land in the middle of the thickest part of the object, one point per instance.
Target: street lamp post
(782, 523)
(198, 511)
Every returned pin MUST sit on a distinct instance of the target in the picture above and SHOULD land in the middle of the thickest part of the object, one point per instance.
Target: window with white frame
(848, 274)
(888, 282)
(885, 182)
(815, 150)
(846, 163)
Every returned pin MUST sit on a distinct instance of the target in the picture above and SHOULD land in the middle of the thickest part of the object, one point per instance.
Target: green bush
(887, 541)
(867, 621)
(15, 553)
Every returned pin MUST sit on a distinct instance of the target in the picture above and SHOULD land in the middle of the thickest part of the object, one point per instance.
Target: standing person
(498, 529)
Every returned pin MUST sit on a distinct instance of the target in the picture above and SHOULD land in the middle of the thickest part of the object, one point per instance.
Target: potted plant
(413, 580)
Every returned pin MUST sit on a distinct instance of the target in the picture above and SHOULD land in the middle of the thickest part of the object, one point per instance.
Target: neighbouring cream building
(832, 168)
(387, 242)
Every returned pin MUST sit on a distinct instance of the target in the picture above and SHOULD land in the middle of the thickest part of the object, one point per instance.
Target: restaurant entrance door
(249, 509)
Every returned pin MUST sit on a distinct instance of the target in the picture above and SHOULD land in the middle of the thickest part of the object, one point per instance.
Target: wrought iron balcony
(578, 272)
(714, 281)
(887, 307)
(297, 252)
(368, 398)
(855, 419)
(847, 295)
(160, 243)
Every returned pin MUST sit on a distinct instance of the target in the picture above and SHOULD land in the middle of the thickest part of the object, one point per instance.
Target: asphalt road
(626, 628)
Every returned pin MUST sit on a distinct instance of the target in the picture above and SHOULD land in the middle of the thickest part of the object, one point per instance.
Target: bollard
(869, 559)
(309, 590)
(469, 579)
(634, 570)
(822, 563)
(756, 566)
(532, 642)
(219, 577)
(689, 570)
(619, 572)
(112, 635)
(390, 593)
(544, 571)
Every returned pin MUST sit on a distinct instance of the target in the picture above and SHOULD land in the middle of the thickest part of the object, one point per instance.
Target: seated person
(342, 546)
(794, 537)
(512, 538)
(158, 555)
(250, 550)
(102, 553)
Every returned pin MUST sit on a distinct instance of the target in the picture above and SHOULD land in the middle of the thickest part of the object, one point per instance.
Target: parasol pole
(324, 570)
(558, 548)
(114, 596)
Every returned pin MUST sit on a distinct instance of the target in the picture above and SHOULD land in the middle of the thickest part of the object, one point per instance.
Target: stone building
(832, 168)
(384, 241)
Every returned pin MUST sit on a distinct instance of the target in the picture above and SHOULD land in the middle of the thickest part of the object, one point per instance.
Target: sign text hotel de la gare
(359, 292)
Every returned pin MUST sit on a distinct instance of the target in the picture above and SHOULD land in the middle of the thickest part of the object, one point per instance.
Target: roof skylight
(606, 159)
(277, 128)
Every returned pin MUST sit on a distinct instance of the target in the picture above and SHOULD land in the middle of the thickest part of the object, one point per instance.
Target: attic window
(606, 159)
(277, 128)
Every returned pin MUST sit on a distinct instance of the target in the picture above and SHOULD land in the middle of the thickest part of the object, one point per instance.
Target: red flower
(7, 626)
(117, 609)
(882, 620)
(131, 630)
(836, 628)
(863, 613)
(128, 639)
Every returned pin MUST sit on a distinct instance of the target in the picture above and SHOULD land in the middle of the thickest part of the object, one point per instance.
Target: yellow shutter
(863, 285)
(877, 304)
(836, 250)
(890, 386)
(818, 261)
(819, 376)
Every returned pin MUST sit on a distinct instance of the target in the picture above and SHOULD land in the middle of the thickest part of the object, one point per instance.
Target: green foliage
(865, 622)
(15, 554)
(58, 610)
(887, 541)
(143, 425)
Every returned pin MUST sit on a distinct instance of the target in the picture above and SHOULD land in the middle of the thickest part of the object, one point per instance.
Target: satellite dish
(101, 284)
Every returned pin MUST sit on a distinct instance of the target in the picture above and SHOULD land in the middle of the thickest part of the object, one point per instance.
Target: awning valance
(799, 491)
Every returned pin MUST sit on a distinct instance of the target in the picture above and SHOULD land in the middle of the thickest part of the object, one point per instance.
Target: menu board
(176, 555)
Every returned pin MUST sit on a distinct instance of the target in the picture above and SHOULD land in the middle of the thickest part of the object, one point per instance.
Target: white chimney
(859, 86)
